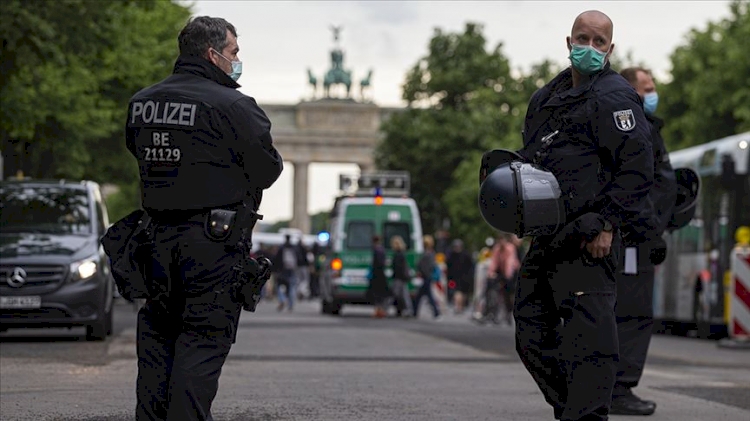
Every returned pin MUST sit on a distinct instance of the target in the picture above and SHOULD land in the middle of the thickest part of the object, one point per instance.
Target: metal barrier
(739, 300)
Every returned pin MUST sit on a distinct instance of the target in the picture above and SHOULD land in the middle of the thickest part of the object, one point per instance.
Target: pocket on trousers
(590, 327)
(213, 314)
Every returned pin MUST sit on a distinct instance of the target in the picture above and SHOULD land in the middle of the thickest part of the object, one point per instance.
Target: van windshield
(44, 209)
(359, 235)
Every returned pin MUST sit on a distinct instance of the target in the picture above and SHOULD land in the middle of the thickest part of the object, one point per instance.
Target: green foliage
(709, 95)
(68, 70)
(124, 201)
(461, 201)
(279, 225)
(456, 67)
(320, 222)
(464, 101)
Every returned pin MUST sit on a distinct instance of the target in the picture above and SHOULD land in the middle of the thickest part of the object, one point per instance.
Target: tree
(68, 70)
(461, 198)
(709, 95)
(279, 225)
(320, 221)
(463, 101)
(460, 102)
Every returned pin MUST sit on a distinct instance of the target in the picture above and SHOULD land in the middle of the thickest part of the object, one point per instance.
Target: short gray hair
(203, 32)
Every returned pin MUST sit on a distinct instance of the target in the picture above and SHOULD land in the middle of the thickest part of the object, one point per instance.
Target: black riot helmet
(519, 197)
(688, 184)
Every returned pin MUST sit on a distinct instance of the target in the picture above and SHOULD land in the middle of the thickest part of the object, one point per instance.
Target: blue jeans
(426, 291)
(289, 281)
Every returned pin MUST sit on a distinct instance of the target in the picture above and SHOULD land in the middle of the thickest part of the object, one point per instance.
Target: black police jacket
(601, 154)
(662, 195)
(199, 142)
(664, 192)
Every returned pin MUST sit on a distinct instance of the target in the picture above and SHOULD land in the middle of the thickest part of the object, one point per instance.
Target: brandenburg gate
(331, 129)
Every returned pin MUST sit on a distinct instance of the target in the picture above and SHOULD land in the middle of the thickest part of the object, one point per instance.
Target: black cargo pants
(566, 334)
(186, 330)
(635, 321)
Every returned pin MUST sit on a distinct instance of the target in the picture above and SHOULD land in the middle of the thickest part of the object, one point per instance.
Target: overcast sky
(279, 40)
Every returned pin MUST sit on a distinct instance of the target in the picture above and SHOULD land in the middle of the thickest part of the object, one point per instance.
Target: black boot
(629, 404)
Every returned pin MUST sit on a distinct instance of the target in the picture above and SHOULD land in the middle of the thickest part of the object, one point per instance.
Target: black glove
(586, 227)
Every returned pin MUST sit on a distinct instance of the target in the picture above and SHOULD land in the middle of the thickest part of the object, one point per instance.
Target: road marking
(695, 380)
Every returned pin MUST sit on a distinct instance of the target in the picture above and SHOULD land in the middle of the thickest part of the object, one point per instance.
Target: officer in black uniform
(205, 155)
(644, 247)
(587, 127)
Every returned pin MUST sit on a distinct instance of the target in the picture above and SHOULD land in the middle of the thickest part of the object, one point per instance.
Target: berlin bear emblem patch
(624, 120)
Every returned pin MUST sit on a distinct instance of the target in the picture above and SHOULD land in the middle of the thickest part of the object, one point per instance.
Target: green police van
(383, 210)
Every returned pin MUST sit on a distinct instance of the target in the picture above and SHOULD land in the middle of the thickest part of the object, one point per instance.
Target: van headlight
(83, 269)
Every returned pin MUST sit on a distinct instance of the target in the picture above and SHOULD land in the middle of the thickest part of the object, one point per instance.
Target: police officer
(587, 127)
(643, 248)
(205, 156)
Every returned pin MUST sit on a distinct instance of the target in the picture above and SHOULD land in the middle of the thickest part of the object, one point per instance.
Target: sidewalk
(696, 352)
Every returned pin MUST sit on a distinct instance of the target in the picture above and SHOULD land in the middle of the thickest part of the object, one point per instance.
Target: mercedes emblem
(17, 277)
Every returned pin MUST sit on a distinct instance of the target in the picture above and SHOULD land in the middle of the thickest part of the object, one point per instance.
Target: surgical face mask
(586, 59)
(236, 67)
(650, 101)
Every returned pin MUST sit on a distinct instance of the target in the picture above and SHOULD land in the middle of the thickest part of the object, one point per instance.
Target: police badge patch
(624, 120)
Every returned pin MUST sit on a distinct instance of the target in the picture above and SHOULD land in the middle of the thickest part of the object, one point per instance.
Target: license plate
(21, 302)
(357, 280)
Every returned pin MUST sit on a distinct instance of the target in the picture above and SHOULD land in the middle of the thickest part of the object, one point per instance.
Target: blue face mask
(586, 59)
(236, 67)
(236, 70)
(650, 101)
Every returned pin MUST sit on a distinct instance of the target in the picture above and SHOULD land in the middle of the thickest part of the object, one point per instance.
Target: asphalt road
(307, 366)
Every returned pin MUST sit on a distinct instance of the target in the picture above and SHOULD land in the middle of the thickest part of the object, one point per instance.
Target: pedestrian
(644, 248)
(287, 262)
(428, 270)
(586, 127)
(481, 277)
(205, 155)
(303, 270)
(510, 259)
(460, 271)
(377, 291)
(316, 270)
(503, 269)
(400, 277)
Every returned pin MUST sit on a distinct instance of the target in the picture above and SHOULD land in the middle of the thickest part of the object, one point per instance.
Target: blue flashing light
(323, 236)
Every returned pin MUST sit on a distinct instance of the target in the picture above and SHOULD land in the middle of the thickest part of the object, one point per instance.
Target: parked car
(53, 271)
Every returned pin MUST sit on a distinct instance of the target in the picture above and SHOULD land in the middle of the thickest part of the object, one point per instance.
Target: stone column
(300, 218)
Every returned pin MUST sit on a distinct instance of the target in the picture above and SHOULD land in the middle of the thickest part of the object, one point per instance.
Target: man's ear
(567, 44)
(210, 56)
(611, 50)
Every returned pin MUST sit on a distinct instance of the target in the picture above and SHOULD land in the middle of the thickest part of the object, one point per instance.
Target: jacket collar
(561, 90)
(199, 66)
(655, 121)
